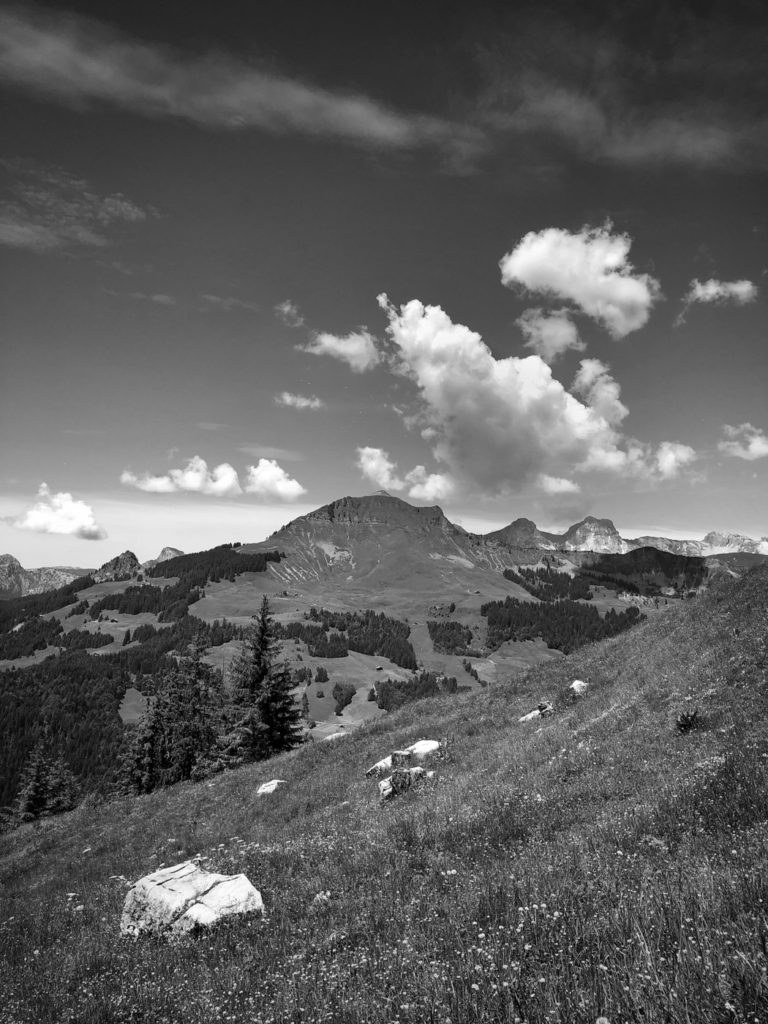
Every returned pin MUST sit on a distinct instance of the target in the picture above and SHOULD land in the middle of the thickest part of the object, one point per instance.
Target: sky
(507, 258)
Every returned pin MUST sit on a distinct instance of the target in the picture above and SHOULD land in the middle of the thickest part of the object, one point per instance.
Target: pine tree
(47, 785)
(264, 718)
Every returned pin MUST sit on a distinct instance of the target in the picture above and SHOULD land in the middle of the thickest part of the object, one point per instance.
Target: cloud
(220, 482)
(288, 312)
(358, 349)
(744, 442)
(269, 480)
(672, 457)
(589, 268)
(73, 60)
(376, 465)
(292, 401)
(46, 209)
(549, 334)
(738, 293)
(227, 303)
(499, 424)
(269, 451)
(60, 513)
(556, 485)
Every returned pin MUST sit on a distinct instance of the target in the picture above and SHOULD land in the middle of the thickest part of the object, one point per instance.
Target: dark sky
(200, 207)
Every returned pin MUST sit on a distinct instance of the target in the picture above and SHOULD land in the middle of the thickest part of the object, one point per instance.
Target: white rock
(185, 896)
(269, 787)
(578, 686)
(530, 716)
(420, 749)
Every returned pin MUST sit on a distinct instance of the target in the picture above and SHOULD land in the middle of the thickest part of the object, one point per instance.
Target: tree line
(449, 636)
(563, 625)
(547, 584)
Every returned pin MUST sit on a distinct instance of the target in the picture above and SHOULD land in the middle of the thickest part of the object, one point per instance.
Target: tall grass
(597, 863)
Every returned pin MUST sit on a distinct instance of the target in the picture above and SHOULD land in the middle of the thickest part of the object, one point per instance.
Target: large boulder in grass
(269, 787)
(419, 750)
(179, 899)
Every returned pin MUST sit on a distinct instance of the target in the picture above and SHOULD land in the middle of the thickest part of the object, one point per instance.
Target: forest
(392, 694)
(333, 634)
(546, 584)
(449, 636)
(563, 625)
(19, 609)
(647, 571)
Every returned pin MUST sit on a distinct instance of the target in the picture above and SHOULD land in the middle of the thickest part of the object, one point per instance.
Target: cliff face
(16, 581)
(122, 567)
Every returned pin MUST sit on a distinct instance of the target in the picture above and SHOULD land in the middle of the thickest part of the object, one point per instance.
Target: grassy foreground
(597, 863)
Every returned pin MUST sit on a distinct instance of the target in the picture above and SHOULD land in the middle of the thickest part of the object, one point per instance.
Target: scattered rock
(402, 779)
(544, 710)
(578, 687)
(269, 787)
(418, 750)
(178, 899)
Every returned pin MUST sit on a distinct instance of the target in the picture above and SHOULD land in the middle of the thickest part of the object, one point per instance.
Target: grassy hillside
(598, 862)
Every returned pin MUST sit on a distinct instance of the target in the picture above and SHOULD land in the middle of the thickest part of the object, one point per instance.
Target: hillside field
(600, 862)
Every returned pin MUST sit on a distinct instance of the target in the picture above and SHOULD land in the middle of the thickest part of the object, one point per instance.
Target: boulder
(178, 899)
(542, 711)
(418, 750)
(401, 780)
(269, 787)
(578, 687)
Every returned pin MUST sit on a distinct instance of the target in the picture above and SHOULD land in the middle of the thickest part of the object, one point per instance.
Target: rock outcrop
(178, 899)
(166, 554)
(16, 581)
(120, 568)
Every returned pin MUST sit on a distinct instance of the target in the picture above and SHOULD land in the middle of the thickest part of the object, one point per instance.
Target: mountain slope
(15, 581)
(595, 863)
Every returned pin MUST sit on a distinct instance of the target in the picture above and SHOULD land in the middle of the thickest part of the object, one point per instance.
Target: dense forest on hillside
(392, 694)
(75, 698)
(219, 563)
(563, 625)
(647, 571)
(19, 609)
(449, 636)
(370, 632)
(549, 585)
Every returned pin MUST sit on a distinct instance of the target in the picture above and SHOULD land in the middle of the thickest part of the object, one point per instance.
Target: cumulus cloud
(75, 60)
(60, 513)
(737, 293)
(555, 485)
(671, 458)
(292, 401)
(376, 465)
(589, 268)
(46, 209)
(358, 349)
(497, 424)
(268, 479)
(222, 481)
(288, 312)
(744, 442)
(549, 334)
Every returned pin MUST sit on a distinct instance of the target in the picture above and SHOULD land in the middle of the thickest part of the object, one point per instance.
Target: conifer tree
(47, 785)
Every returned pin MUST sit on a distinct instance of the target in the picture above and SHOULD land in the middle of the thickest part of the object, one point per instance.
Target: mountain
(713, 544)
(120, 568)
(15, 581)
(166, 554)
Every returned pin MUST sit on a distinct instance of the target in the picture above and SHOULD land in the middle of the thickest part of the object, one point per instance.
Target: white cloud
(739, 293)
(672, 457)
(227, 303)
(60, 513)
(358, 349)
(497, 424)
(269, 480)
(288, 312)
(75, 60)
(376, 465)
(221, 482)
(589, 268)
(744, 442)
(287, 398)
(549, 334)
(554, 485)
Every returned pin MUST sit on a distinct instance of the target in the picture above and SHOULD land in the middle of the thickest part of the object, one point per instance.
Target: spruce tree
(47, 785)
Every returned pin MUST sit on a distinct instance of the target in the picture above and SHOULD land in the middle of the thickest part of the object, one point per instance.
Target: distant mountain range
(378, 539)
(16, 581)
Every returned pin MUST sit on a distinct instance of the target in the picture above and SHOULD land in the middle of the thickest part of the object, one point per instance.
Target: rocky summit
(120, 568)
(16, 581)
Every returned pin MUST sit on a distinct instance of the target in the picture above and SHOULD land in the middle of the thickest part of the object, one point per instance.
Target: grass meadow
(598, 863)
